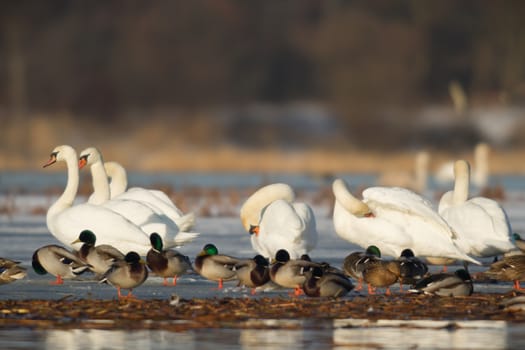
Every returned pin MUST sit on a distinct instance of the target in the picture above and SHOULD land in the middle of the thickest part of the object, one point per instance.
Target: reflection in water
(340, 334)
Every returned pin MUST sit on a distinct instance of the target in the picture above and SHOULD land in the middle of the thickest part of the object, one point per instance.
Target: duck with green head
(10, 271)
(454, 284)
(100, 257)
(128, 274)
(166, 262)
(59, 262)
(214, 266)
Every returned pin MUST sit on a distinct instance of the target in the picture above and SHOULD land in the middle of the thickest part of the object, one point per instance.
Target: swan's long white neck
(101, 192)
(421, 171)
(67, 198)
(251, 209)
(119, 178)
(480, 174)
(355, 206)
(461, 182)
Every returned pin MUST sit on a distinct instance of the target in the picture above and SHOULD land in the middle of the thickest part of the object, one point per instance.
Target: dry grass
(164, 146)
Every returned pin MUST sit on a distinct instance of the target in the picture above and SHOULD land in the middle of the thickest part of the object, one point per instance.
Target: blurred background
(226, 85)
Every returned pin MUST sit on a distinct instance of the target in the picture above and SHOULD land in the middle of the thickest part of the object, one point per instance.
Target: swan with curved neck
(66, 221)
(142, 211)
(155, 199)
(393, 219)
(481, 224)
(276, 222)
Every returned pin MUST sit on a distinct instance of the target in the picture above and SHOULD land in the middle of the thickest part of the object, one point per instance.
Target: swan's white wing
(391, 199)
(482, 227)
(110, 228)
(282, 227)
(366, 231)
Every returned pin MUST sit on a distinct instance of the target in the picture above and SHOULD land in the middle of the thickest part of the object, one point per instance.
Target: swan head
(61, 153)
(461, 168)
(355, 206)
(251, 209)
(89, 156)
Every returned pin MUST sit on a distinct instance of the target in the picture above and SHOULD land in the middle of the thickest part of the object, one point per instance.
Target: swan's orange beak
(369, 215)
(82, 162)
(52, 160)
(254, 230)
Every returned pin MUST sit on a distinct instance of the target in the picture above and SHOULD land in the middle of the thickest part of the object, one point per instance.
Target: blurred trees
(101, 59)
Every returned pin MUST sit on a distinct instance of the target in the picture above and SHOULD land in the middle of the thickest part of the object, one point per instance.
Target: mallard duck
(380, 273)
(166, 262)
(289, 273)
(10, 271)
(253, 273)
(354, 263)
(454, 284)
(128, 274)
(214, 266)
(510, 268)
(323, 283)
(275, 221)
(412, 269)
(100, 257)
(57, 261)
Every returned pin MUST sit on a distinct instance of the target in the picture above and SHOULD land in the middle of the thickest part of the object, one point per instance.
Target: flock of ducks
(112, 233)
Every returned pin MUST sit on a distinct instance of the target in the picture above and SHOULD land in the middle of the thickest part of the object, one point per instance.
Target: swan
(481, 224)
(66, 221)
(144, 214)
(276, 222)
(393, 219)
(480, 172)
(416, 180)
(155, 199)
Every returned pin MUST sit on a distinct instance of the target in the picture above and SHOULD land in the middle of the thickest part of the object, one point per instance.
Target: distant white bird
(276, 222)
(141, 209)
(66, 221)
(415, 180)
(481, 224)
(480, 172)
(393, 219)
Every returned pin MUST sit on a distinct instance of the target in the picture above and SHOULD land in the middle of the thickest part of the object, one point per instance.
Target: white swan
(276, 222)
(480, 172)
(158, 199)
(481, 224)
(143, 213)
(66, 221)
(393, 219)
(415, 180)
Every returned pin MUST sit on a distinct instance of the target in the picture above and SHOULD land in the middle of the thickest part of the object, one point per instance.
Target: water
(23, 232)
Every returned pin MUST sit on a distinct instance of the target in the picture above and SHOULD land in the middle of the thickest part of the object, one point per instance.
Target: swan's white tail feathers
(184, 237)
(185, 222)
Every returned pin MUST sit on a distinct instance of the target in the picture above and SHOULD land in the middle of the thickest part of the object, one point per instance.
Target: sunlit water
(20, 235)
